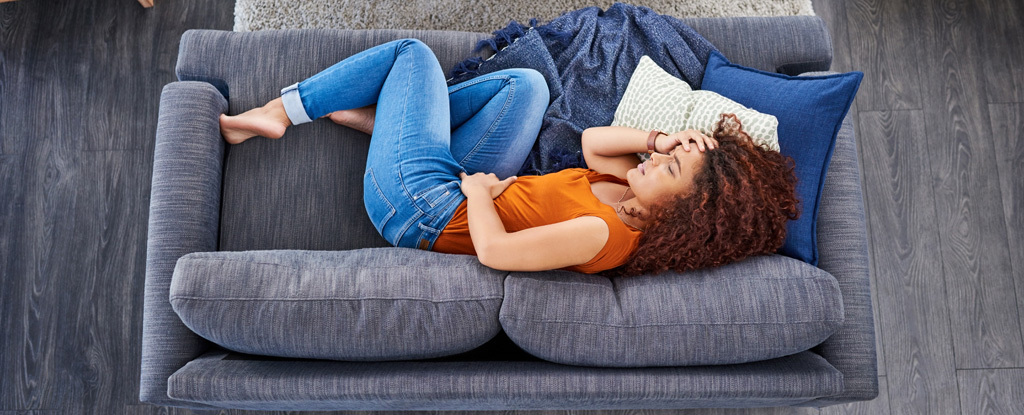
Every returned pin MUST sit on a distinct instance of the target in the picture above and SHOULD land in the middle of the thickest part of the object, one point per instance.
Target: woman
(425, 184)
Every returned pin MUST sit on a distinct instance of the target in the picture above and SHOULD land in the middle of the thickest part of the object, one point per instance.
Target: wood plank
(877, 406)
(991, 391)
(1008, 138)
(1002, 49)
(49, 263)
(110, 292)
(968, 204)
(122, 264)
(885, 46)
(12, 222)
(904, 246)
(834, 15)
(125, 102)
(13, 94)
(17, 23)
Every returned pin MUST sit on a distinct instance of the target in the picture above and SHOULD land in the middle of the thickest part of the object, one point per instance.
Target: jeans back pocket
(432, 199)
(378, 207)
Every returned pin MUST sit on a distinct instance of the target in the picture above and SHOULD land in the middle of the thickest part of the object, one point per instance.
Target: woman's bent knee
(531, 80)
(414, 44)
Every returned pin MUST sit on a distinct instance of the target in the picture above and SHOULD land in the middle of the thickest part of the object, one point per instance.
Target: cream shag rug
(469, 15)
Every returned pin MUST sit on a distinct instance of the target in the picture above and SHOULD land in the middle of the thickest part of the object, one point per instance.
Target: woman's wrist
(652, 139)
(660, 145)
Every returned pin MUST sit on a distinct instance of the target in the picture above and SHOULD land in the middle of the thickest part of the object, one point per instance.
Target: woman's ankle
(275, 110)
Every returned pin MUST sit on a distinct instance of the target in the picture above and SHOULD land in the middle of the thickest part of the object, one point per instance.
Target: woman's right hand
(665, 143)
(484, 182)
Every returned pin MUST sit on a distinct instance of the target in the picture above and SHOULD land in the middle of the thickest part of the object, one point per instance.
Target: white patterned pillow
(656, 100)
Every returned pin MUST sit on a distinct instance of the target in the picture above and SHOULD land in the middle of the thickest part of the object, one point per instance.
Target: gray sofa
(267, 287)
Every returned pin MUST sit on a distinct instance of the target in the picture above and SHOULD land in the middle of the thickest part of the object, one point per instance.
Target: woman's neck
(629, 203)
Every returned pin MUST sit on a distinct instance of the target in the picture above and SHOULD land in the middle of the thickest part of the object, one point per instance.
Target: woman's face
(665, 175)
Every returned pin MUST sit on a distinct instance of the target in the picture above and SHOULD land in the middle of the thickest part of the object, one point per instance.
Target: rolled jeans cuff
(293, 105)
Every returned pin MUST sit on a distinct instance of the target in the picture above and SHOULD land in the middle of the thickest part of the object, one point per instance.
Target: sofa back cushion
(760, 308)
(361, 305)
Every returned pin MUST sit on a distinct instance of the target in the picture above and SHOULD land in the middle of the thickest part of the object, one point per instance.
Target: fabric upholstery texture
(304, 192)
(810, 111)
(656, 100)
(184, 216)
(759, 308)
(843, 242)
(221, 379)
(361, 305)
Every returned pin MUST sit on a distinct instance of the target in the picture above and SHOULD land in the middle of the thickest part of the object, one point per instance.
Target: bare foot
(269, 121)
(360, 119)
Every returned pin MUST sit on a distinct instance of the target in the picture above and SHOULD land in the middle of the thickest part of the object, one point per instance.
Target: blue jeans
(425, 133)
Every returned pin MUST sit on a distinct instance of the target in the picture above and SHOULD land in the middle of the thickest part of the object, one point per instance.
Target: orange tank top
(541, 200)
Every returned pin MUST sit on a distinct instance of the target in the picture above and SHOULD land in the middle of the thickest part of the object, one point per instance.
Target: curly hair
(743, 195)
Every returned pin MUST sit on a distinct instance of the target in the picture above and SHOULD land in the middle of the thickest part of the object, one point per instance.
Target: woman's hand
(484, 182)
(665, 143)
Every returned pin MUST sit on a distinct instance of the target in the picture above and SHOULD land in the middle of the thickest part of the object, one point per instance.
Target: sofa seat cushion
(360, 305)
(759, 308)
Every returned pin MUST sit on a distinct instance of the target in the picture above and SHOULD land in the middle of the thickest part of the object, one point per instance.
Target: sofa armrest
(184, 217)
(843, 252)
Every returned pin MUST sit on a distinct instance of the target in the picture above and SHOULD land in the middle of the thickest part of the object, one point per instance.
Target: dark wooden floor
(940, 119)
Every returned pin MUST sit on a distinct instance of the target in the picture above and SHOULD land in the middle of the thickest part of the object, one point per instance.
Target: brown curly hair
(743, 195)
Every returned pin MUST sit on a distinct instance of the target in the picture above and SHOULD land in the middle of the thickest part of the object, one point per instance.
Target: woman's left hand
(484, 182)
(665, 144)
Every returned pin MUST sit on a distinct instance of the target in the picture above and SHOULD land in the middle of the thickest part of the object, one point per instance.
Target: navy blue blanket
(587, 57)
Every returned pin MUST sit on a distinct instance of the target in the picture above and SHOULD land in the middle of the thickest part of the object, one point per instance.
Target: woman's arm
(612, 150)
(558, 245)
(485, 227)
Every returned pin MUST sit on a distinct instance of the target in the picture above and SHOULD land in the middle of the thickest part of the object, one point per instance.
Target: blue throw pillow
(810, 110)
